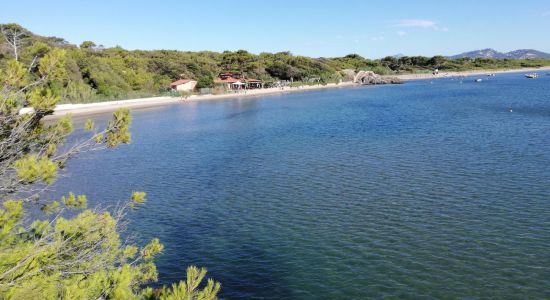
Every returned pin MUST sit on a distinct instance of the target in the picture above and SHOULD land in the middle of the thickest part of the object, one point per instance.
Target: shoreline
(109, 106)
(406, 77)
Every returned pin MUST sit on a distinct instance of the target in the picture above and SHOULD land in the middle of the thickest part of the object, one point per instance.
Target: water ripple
(414, 191)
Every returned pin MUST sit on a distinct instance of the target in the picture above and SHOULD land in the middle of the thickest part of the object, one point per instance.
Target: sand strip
(469, 73)
(108, 106)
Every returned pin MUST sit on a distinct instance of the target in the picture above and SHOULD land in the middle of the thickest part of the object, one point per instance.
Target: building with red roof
(181, 85)
(236, 81)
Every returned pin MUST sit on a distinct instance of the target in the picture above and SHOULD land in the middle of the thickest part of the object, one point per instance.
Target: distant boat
(491, 74)
(532, 75)
(479, 80)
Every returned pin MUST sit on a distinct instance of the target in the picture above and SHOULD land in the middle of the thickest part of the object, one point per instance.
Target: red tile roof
(233, 80)
(228, 80)
(181, 81)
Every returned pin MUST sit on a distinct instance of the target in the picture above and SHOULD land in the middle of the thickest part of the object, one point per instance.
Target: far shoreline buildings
(229, 81)
(236, 81)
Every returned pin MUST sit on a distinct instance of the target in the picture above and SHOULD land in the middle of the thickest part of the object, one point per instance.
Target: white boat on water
(479, 80)
(532, 75)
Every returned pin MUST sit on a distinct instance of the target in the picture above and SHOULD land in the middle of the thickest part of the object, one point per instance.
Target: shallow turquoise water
(431, 189)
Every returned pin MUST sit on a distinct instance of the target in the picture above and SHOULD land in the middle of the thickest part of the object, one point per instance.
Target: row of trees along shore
(95, 73)
(66, 250)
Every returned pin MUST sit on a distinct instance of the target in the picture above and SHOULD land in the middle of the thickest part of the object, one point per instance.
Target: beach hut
(228, 83)
(253, 84)
(183, 85)
(238, 85)
(236, 81)
(230, 75)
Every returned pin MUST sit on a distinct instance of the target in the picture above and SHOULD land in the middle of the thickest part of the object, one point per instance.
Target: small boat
(532, 75)
(491, 74)
(479, 80)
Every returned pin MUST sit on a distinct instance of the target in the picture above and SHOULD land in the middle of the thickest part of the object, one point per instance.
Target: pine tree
(55, 256)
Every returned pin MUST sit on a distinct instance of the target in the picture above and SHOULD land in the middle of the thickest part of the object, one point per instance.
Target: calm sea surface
(431, 189)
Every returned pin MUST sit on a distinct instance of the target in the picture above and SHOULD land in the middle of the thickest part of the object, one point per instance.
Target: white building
(186, 85)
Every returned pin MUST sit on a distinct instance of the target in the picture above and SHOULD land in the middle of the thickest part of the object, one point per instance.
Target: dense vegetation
(65, 250)
(97, 73)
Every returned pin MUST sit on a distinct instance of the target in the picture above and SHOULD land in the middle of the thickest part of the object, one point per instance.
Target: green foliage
(31, 169)
(53, 65)
(89, 125)
(87, 45)
(78, 92)
(185, 94)
(378, 70)
(42, 99)
(14, 74)
(50, 208)
(73, 201)
(55, 254)
(10, 214)
(240, 61)
(137, 198)
(91, 73)
(119, 128)
(205, 82)
(152, 249)
(188, 289)
(78, 258)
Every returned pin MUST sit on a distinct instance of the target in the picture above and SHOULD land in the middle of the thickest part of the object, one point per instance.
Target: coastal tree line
(96, 73)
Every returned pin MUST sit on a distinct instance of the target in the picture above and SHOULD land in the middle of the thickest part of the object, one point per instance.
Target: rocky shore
(369, 78)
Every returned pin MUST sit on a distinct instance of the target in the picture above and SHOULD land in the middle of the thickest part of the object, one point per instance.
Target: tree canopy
(96, 73)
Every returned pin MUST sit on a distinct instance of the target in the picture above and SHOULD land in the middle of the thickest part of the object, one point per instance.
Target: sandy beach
(107, 106)
(468, 73)
(100, 107)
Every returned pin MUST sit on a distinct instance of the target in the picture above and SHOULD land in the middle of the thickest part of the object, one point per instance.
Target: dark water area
(431, 189)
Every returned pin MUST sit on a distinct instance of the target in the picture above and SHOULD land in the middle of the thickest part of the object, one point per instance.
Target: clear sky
(313, 28)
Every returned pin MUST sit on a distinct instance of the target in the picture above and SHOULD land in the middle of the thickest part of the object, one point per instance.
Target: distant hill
(527, 54)
(517, 54)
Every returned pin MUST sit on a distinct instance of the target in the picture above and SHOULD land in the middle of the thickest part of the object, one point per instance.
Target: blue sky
(314, 28)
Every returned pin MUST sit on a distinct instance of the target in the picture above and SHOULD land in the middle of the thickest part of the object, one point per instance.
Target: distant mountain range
(517, 54)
